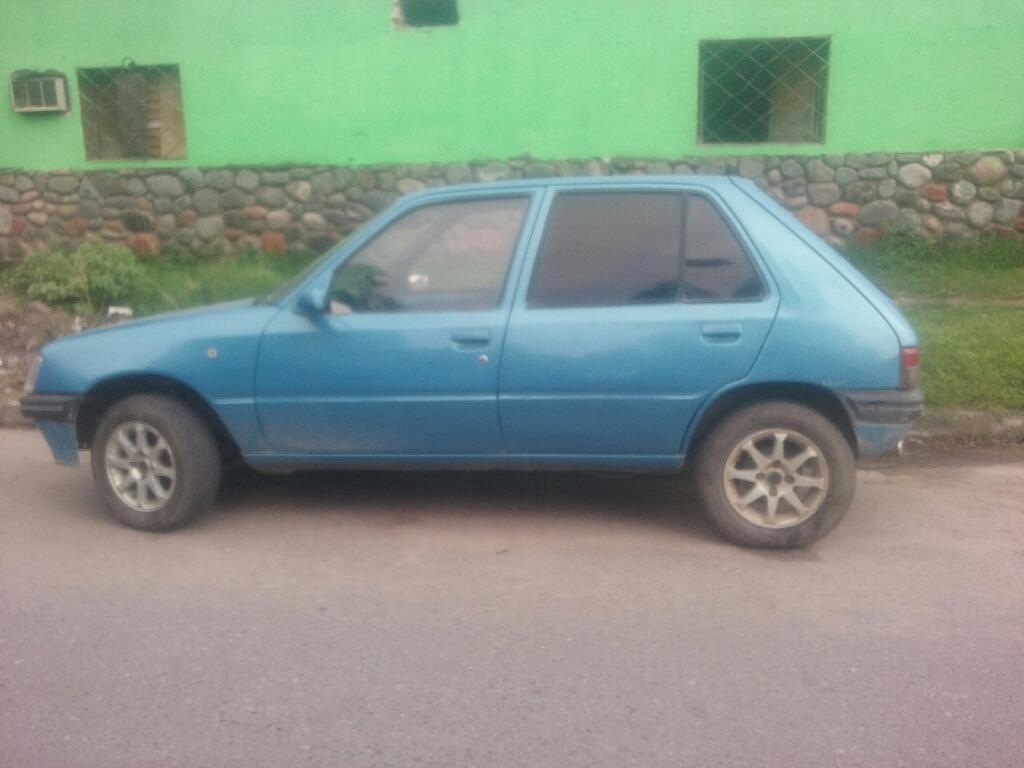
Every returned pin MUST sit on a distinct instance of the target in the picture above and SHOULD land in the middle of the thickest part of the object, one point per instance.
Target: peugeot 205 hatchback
(628, 324)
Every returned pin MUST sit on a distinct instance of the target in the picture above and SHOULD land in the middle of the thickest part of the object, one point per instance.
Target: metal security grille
(754, 91)
(131, 112)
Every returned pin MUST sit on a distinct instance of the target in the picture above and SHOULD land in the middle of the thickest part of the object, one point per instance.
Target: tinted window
(716, 266)
(451, 256)
(609, 249)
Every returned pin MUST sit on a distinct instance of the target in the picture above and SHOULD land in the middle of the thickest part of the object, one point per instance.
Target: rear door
(635, 304)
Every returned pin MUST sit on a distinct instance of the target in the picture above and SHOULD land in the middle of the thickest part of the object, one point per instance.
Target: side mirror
(312, 301)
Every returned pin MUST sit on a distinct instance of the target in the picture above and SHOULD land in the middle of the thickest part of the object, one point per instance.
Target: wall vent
(39, 92)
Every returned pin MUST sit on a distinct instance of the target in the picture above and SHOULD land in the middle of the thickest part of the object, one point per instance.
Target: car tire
(155, 463)
(775, 475)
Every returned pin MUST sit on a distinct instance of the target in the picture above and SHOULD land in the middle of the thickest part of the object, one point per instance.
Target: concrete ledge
(967, 428)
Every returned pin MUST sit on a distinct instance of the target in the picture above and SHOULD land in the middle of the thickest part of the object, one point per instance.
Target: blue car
(617, 324)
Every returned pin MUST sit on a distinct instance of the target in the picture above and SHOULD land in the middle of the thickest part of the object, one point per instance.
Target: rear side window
(716, 267)
(609, 249)
(627, 248)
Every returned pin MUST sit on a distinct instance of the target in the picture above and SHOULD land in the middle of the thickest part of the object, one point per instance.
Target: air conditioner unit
(39, 92)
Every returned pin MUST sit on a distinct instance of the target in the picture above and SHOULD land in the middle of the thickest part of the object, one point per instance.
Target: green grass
(971, 356)
(985, 269)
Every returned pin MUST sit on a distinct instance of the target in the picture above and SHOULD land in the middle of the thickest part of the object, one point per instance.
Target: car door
(638, 304)
(403, 361)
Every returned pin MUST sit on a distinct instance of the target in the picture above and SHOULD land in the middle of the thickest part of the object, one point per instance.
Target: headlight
(33, 374)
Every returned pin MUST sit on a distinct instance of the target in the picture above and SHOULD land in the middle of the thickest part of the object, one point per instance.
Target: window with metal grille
(425, 13)
(131, 112)
(769, 90)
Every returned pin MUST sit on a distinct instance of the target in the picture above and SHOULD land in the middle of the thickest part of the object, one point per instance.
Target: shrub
(84, 281)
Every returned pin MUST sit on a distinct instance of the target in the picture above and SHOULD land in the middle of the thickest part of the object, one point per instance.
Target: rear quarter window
(716, 266)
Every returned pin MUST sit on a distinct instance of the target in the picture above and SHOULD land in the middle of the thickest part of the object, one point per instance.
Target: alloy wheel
(140, 466)
(776, 478)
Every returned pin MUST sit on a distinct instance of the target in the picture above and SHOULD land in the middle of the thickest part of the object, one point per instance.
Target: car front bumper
(55, 415)
(882, 418)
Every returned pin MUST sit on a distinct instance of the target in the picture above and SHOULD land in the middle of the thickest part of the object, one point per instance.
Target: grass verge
(972, 357)
(990, 268)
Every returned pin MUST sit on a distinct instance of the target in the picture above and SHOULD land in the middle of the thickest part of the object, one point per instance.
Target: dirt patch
(937, 454)
(968, 429)
(22, 332)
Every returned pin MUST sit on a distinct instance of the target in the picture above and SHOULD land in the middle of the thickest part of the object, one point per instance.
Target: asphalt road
(508, 620)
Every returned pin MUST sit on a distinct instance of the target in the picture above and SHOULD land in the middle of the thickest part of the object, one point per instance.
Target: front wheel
(155, 463)
(776, 475)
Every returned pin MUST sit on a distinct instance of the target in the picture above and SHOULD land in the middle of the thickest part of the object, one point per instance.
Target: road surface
(509, 620)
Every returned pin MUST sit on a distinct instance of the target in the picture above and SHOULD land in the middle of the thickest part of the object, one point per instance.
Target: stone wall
(278, 209)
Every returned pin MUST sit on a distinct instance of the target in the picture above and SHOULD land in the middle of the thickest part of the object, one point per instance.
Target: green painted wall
(330, 81)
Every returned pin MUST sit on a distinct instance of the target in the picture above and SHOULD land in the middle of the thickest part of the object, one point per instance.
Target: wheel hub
(776, 478)
(140, 466)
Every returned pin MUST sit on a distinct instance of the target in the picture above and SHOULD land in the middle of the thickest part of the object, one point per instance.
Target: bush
(84, 281)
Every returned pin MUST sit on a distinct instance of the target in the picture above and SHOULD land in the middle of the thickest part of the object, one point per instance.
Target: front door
(639, 304)
(404, 359)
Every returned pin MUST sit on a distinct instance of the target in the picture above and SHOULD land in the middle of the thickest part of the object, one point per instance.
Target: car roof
(594, 182)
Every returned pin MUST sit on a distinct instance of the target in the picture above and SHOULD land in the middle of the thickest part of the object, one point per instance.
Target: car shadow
(393, 497)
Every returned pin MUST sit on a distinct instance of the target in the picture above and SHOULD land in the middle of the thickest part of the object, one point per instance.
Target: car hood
(207, 311)
(211, 349)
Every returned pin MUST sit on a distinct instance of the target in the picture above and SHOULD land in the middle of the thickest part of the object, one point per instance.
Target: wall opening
(132, 112)
(425, 13)
(763, 91)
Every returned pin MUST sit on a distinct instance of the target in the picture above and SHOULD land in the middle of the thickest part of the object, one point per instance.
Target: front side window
(445, 257)
(619, 249)
(131, 112)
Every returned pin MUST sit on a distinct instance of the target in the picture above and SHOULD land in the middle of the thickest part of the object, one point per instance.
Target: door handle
(468, 339)
(721, 333)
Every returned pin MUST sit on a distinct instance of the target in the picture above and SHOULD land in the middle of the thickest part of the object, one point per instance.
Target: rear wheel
(155, 463)
(776, 475)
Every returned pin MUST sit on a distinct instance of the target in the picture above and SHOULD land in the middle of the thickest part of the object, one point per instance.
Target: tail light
(910, 368)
